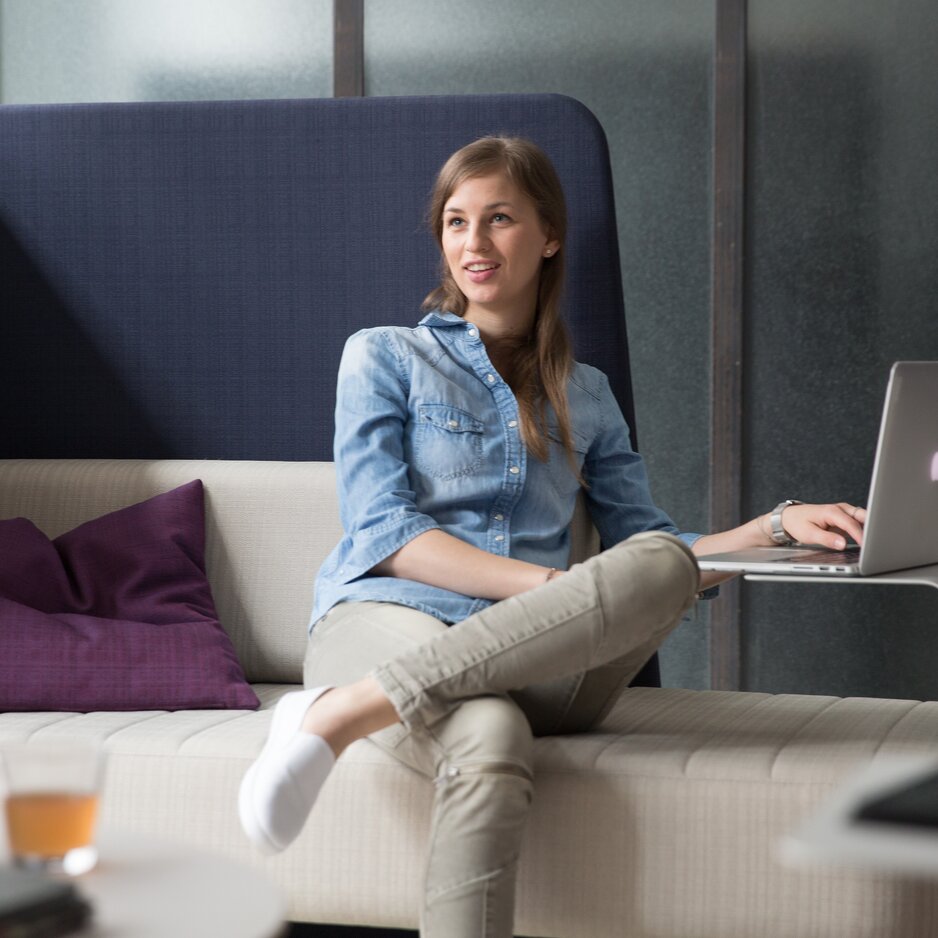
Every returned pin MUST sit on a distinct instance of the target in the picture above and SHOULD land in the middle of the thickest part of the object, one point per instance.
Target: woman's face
(494, 243)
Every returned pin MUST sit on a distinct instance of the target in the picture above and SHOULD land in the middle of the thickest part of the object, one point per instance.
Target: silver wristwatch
(778, 533)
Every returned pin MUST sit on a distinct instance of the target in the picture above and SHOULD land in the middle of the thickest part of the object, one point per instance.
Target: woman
(446, 615)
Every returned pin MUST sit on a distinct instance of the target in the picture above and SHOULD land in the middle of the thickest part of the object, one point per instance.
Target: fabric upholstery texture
(661, 824)
(165, 231)
(115, 614)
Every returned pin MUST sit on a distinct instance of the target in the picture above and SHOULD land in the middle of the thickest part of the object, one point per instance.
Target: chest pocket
(447, 442)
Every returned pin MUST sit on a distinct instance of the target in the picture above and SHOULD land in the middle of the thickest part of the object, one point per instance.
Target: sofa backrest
(269, 526)
(178, 280)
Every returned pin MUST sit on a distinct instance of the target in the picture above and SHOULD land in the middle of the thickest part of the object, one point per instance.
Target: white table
(147, 888)
(833, 836)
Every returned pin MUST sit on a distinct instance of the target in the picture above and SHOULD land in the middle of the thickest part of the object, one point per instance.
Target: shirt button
(514, 470)
(499, 537)
(453, 423)
(499, 517)
(490, 379)
(473, 333)
(512, 423)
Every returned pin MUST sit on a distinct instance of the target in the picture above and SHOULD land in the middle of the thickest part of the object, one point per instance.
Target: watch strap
(776, 530)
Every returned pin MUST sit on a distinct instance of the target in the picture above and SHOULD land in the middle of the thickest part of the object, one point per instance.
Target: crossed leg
(617, 607)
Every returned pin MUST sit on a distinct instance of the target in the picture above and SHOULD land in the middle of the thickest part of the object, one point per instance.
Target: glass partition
(66, 51)
(842, 235)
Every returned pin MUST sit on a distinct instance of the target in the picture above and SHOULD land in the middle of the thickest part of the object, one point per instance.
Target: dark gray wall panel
(842, 258)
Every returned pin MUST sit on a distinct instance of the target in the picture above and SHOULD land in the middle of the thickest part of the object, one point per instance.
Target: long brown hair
(541, 363)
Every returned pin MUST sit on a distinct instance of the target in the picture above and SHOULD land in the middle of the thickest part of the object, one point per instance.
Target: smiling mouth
(478, 268)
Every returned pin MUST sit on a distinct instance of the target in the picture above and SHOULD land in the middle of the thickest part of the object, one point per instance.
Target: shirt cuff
(380, 546)
(713, 591)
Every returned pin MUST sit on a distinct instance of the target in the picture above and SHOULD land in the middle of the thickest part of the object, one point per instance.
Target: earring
(548, 252)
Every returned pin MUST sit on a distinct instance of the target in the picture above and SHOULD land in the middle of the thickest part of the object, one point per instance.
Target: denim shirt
(428, 437)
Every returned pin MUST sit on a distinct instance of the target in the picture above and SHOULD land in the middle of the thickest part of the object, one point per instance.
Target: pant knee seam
(441, 891)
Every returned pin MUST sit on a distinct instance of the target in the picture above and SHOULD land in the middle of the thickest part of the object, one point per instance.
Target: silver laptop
(902, 510)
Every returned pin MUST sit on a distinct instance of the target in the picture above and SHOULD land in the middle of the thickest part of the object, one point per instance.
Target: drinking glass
(51, 801)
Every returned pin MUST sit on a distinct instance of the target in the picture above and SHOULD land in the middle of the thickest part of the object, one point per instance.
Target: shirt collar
(439, 318)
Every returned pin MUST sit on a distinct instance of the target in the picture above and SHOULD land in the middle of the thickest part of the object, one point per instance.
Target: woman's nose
(478, 242)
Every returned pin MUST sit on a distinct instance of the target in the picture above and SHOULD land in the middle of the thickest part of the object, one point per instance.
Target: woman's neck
(501, 327)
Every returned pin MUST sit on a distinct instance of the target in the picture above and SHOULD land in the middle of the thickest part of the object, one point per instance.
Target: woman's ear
(551, 248)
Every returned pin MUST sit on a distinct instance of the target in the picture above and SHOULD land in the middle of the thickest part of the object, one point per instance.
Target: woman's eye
(455, 223)
(500, 217)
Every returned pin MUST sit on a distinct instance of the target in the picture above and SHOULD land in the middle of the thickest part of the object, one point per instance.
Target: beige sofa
(663, 822)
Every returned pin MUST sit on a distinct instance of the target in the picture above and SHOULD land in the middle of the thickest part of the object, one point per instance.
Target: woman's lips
(480, 272)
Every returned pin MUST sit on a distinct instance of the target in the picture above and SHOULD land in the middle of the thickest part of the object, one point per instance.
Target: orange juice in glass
(51, 804)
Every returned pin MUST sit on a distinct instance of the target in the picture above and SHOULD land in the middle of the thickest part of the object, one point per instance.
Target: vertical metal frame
(348, 62)
(727, 321)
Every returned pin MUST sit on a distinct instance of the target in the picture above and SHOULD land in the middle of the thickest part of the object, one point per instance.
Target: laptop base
(914, 576)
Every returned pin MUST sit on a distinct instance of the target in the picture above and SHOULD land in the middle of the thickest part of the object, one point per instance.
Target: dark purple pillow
(116, 614)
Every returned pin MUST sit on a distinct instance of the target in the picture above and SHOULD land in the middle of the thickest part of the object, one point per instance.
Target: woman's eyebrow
(487, 208)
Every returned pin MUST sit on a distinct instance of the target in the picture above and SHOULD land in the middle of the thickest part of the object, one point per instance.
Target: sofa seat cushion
(663, 821)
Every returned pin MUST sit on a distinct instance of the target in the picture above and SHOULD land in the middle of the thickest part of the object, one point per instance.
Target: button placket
(507, 406)
(498, 530)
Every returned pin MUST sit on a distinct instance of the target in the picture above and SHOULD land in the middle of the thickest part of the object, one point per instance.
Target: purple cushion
(116, 614)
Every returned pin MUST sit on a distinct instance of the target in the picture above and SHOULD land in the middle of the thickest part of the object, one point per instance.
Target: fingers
(827, 525)
(857, 516)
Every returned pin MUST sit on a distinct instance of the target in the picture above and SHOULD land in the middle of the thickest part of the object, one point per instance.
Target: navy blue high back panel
(177, 280)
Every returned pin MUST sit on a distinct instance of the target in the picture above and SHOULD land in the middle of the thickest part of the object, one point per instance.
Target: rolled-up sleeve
(376, 499)
(619, 494)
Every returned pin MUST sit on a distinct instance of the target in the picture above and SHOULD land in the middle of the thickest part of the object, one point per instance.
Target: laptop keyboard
(850, 555)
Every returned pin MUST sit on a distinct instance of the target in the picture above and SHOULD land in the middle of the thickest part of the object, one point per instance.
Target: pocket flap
(450, 418)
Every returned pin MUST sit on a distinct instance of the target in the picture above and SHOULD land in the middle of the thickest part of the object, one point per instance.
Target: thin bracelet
(550, 574)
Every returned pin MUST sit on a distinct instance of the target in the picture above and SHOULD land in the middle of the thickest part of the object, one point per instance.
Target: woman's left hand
(826, 525)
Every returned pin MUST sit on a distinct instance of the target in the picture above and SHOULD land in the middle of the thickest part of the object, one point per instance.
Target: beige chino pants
(472, 696)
